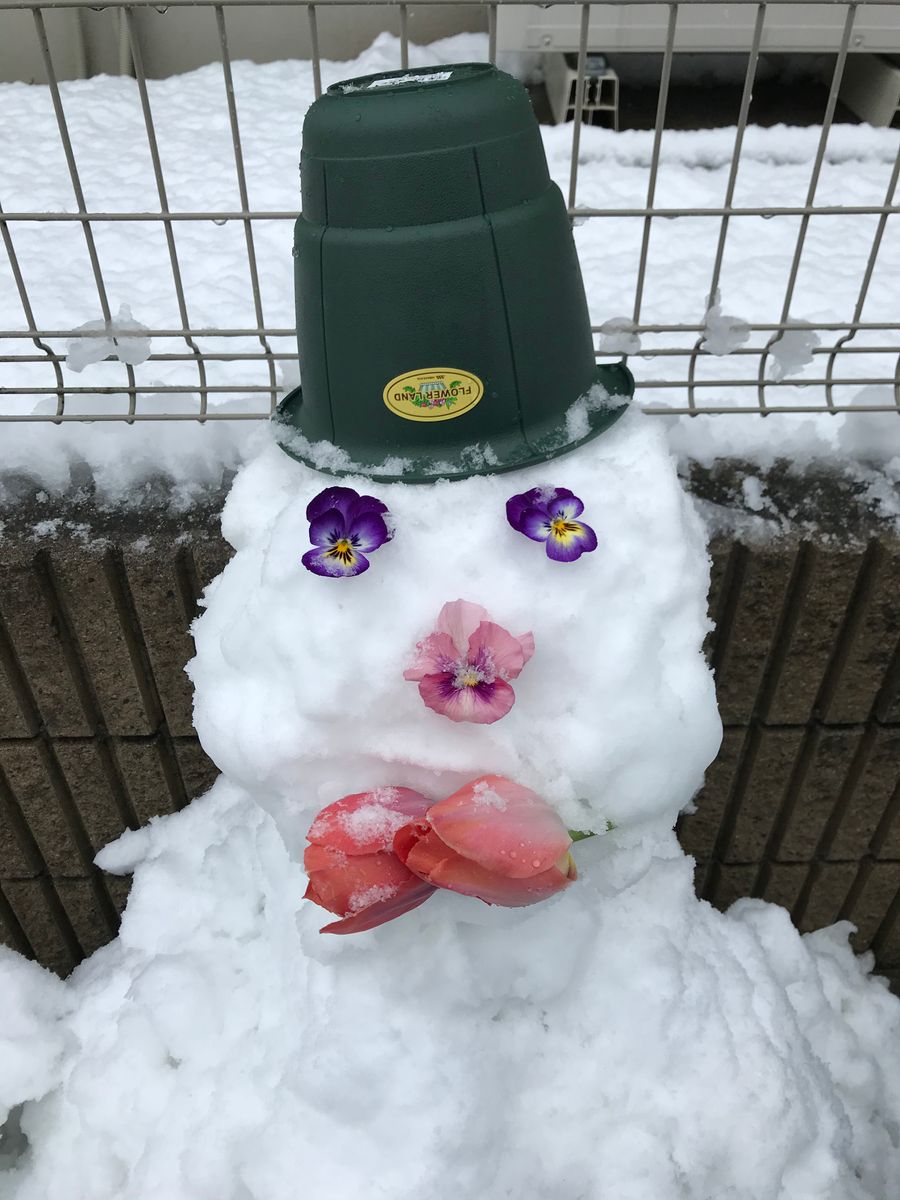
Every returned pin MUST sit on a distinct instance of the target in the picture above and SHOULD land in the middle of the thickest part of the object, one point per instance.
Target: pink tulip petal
(366, 822)
(502, 826)
(381, 911)
(434, 654)
(458, 874)
(460, 619)
(498, 653)
(359, 881)
(420, 849)
(481, 705)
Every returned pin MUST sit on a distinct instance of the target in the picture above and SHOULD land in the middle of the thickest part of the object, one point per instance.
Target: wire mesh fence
(195, 367)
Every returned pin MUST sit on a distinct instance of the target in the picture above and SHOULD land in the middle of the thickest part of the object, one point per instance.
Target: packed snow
(125, 340)
(190, 117)
(622, 1039)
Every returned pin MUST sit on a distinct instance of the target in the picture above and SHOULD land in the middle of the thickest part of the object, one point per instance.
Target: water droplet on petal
(535, 862)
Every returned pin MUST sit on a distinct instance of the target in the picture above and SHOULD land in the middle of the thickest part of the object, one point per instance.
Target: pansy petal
(367, 531)
(571, 543)
(341, 498)
(327, 528)
(408, 897)
(363, 823)
(535, 524)
(497, 653)
(516, 506)
(458, 874)
(460, 618)
(481, 705)
(526, 641)
(364, 504)
(502, 826)
(435, 655)
(567, 507)
(322, 561)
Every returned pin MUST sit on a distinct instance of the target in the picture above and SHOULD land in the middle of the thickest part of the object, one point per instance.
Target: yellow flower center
(343, 550)
(469, 679)
(559, 527)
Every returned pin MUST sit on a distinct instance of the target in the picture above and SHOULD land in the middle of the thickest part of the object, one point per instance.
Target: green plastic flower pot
(441, 317)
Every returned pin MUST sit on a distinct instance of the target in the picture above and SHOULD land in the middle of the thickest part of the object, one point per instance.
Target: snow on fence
(150, 244)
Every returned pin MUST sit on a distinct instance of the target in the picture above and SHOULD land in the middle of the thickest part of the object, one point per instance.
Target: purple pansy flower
(344, 527)
(548, 515)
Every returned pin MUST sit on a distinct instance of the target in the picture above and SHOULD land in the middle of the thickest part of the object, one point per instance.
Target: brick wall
(800, 807)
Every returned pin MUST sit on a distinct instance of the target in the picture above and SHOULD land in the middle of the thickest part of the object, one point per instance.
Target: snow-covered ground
(191, 121)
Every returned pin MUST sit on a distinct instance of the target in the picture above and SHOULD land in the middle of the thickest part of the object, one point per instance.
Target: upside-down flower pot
(440, 305)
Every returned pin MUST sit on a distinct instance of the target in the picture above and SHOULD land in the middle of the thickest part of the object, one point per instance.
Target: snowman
(457, 659)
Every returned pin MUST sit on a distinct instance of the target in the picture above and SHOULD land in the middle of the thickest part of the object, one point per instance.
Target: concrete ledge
(800, 807)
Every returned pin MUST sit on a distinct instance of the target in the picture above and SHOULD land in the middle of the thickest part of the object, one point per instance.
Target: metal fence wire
(672, 353)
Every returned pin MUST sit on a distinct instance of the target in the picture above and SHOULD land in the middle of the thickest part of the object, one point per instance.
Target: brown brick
(11, 933)
(829, 890)
(25, 769)
(784, 883)
(719, 553)
(832, 576)
(199, 771)
(832, 754)
(29, 900)
(768, 781)
(17, 855)
(36, 638)
(211, 556)
(698, 831)
(743, 658)
(872, 648)
(881, 882)
(115, 679)
(161, 610)
(13, 722)
(735, 882)
(872, 794)
(145, 778)
(80, 902)
(94, 788)
(119, 887)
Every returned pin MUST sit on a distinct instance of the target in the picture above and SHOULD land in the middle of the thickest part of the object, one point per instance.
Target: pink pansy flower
(352, 868)
(492, 839)
(463, 669)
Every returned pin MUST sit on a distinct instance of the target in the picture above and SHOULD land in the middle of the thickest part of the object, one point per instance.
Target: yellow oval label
(435, 394)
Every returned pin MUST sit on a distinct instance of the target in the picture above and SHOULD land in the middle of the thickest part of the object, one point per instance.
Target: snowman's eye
(551, 515)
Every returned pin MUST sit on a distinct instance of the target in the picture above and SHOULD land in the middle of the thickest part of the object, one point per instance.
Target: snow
(619, 335)
(621, 1040)
(272, 733)
(792, 351)
(125, 340)
(190, 117)
(722, 334)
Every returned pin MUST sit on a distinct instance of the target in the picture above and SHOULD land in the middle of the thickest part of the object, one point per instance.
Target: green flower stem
(578, 835)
